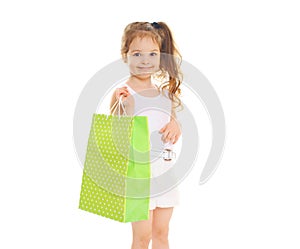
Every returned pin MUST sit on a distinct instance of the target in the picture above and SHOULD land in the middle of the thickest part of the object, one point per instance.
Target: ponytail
(170, 62)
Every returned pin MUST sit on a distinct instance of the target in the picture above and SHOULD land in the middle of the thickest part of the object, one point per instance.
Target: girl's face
(143, 57)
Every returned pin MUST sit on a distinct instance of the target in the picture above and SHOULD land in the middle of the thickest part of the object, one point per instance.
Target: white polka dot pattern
(103, 187)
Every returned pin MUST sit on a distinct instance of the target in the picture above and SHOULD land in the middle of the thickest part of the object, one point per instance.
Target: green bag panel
(139, 173)
(107, 153)
(111, 175)
(97, 200)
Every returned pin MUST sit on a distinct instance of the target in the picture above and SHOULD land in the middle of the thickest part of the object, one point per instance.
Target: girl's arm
(171, 132)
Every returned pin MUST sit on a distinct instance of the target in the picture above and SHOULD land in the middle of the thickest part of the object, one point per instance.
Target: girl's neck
(140, 83)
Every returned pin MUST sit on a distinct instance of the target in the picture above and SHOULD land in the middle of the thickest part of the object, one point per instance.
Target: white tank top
(158, 109)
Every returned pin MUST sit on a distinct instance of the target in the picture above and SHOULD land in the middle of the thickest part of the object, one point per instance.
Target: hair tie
(155, 25)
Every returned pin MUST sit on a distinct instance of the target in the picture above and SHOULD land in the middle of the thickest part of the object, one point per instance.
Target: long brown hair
(170, 57)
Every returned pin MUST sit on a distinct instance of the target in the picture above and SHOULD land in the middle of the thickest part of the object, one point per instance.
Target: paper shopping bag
(116, 174)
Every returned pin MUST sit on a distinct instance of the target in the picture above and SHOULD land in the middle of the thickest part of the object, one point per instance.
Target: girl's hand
(171, 132)
(127, 100)
(122, 91)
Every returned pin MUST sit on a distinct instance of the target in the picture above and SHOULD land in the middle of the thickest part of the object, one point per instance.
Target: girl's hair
(170, 59)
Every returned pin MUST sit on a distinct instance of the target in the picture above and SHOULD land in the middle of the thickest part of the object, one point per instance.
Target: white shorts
(166, 199)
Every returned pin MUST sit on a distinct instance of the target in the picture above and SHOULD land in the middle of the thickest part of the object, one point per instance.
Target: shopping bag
(116, 174)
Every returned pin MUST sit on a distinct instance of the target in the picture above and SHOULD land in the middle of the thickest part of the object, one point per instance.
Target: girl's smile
(145, 68)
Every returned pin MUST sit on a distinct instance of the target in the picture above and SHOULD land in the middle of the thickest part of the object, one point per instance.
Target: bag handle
(119, 104)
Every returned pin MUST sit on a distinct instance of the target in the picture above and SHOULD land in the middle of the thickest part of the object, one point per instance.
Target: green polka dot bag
(116, 174)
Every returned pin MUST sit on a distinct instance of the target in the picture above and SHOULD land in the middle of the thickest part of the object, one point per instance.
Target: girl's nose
(145, 59)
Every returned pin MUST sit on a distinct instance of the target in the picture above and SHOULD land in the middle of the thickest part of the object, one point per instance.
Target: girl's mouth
(145, 68)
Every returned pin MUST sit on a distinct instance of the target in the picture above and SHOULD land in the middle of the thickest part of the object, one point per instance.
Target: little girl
(150, 52)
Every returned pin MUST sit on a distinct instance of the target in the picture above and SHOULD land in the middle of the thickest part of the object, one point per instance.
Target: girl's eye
(153, 54)
(137, 54)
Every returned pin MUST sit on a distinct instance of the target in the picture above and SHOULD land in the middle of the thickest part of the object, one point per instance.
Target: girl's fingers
(162, 130)
(122, 91)
(170, 137)
(175, 139)
(166, 137)
(163, 137)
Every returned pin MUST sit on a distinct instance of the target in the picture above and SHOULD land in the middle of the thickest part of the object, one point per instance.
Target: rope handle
(119, 104)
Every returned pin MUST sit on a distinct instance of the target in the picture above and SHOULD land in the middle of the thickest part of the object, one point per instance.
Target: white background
(249, 51)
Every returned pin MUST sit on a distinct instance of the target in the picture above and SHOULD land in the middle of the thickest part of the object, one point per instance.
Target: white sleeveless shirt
(158, 109)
